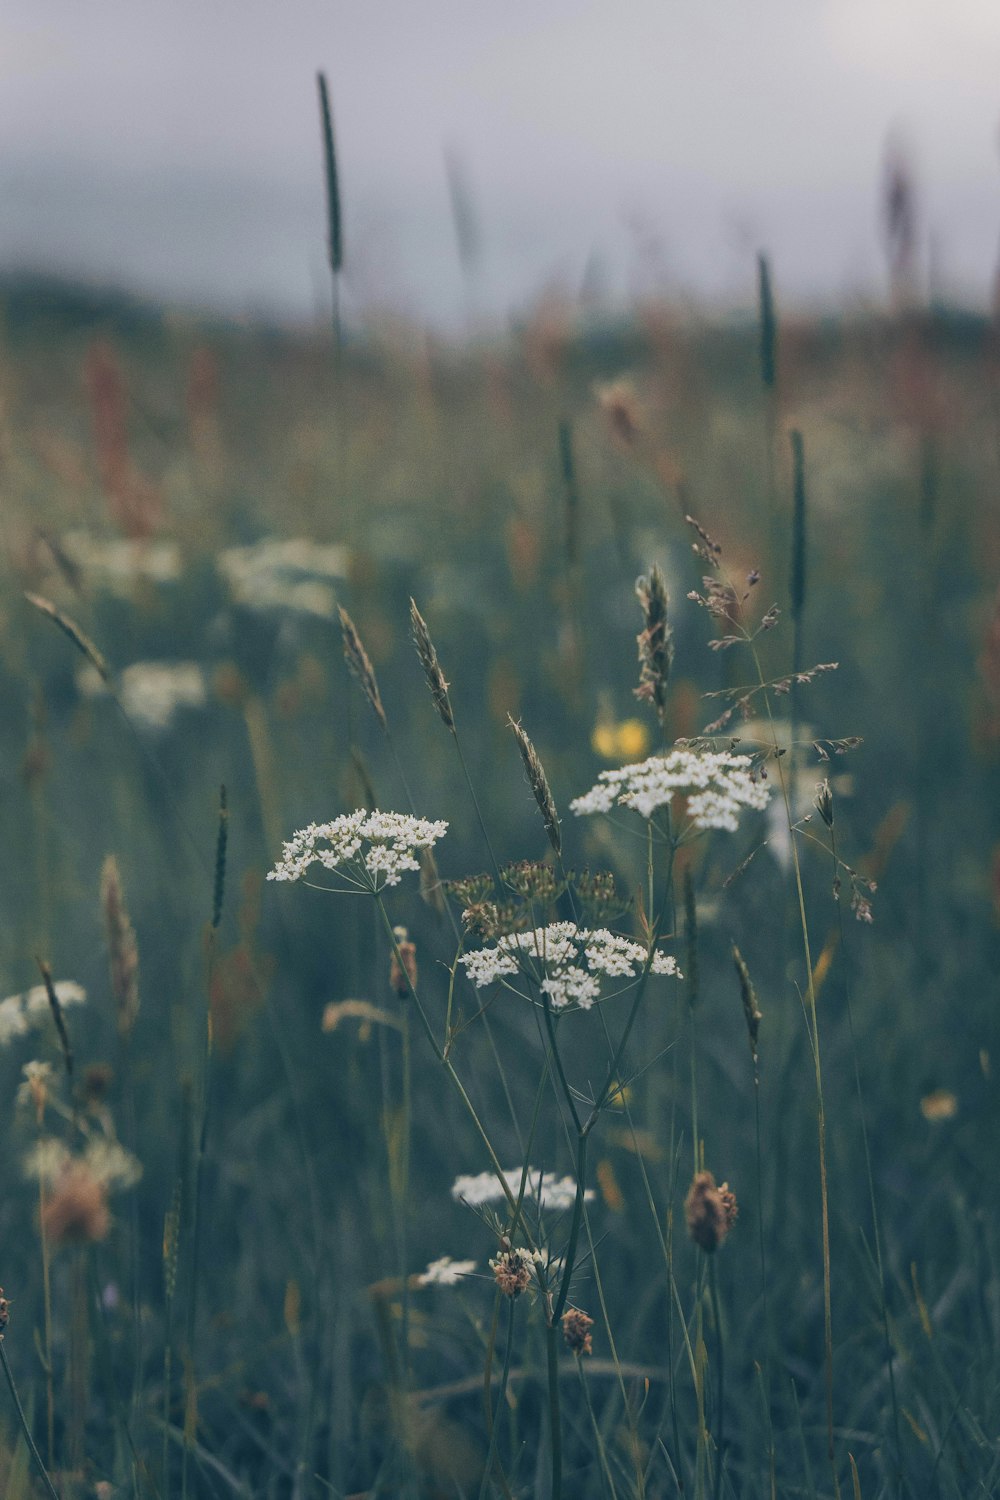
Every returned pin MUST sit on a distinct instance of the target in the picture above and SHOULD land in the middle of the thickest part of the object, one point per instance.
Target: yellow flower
(625, 740)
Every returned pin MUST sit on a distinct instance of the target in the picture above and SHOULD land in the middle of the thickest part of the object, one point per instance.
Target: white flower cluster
(446, 1272)
(545, 1188)
(290, 573)
(118, 565)
(718, 785)
(371, 848)
(573, 959)
(107, 1162)
(19, 1013)
(151, 691)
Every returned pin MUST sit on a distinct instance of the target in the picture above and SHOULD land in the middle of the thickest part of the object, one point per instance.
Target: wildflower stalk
(491, 1456)
(814, 1043)
(870, 1176)
(22, 1419)
(445, 1061)
(720, 1376)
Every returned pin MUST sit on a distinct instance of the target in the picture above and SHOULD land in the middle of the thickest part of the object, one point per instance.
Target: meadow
(239, 1254)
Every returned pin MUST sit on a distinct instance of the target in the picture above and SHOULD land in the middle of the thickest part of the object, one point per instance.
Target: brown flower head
(710, 1211)
(77, 1207)
(512, 1271)
(576, 1326)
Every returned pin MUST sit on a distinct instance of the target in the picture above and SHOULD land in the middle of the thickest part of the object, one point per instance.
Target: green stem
(720, 1389)
(8, 1372)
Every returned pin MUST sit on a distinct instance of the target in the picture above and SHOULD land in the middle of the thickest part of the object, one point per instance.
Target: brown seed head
(123, 951)
(576, 1328)
(77, 1208)
(4, 1312)
(655, 641)
(512, 1272)
(710, 1212)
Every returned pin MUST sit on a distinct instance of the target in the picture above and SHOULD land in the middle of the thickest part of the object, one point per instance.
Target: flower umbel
(446, 1272)
(370, 850)
(567, 962)
(512, 1270)
(717, 784)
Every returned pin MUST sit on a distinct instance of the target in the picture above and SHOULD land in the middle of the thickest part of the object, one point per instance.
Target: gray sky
(173, 145)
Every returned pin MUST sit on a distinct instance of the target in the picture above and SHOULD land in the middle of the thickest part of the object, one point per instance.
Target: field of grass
(252, 1315)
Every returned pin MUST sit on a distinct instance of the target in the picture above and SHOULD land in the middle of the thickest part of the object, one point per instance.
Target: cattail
(571, 491)
(221, 845)
(69, 627)
(403, 964)
(432, 667)
(710, 1212)
(768, 325)
(123, 950)
(172, 1242)
(576, 1326)
(655, 641)
(798, 576)
(360, 666)
(539, 785)
(690, 939)
(335, 243)
(58, 1017)
(750, 1008)
(464, 215)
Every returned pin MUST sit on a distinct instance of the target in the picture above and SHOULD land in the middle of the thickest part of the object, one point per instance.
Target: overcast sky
(173, 145)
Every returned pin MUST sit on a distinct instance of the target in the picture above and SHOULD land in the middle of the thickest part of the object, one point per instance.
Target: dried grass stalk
(539, 785)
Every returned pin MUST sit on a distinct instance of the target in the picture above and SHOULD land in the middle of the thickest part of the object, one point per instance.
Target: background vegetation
(515, 490)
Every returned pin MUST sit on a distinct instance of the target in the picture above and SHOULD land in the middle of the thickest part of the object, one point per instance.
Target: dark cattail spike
(539, 785)
(335, 237)
(751, 1009)
(58, 1018)
(691, 939)
(768, 325)
(571, 491)
(221, 846)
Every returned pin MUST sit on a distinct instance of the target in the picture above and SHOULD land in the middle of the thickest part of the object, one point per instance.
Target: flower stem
(8, 1372)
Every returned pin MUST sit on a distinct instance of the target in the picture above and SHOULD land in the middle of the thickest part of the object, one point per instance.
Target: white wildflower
(718, 786)
(153, 691)
(291, 574)
(118, 564)
(543, 1188)
(67, 991)
(18, 1013)
(371, 849)
(46, 1161)
(111, 1165)
(570, 959)
(446, 1272)
(12, 1018)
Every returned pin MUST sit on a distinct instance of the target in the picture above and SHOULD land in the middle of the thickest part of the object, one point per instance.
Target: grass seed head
(432, 667)
(539, 785)
(360, 667)
(710, 1212)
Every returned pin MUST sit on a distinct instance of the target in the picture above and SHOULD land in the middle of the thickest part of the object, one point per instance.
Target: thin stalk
(8, 1372)
(50, 1397)
(609, 1483)
(446, 1063)
(501, 1398)
(720, 1387)
(876, 1230)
